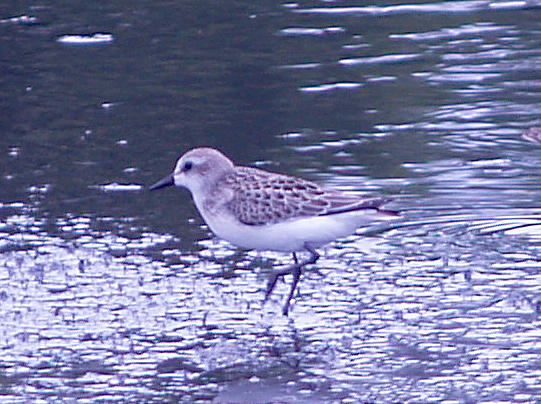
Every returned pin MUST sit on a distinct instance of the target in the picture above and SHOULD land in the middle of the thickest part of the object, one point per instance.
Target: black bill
(166, 181)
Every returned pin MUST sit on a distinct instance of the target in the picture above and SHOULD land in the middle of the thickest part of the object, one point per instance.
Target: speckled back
(261, 197)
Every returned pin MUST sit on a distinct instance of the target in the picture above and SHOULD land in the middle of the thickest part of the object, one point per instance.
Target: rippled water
(108, 293)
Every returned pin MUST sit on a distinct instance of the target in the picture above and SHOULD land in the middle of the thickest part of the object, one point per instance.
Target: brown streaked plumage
(261, 197)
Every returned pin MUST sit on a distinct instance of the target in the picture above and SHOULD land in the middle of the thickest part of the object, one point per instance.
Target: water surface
(109, 293)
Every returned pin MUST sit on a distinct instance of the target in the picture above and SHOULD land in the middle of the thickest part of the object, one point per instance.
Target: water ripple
(109, 295)
(411, 303)
(330, 87)
(440, 7)
(467, 30)
(378, 59)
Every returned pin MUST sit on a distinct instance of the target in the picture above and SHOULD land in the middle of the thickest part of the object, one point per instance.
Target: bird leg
(295, 270)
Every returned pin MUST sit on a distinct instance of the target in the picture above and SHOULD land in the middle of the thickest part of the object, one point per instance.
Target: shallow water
(109, 293)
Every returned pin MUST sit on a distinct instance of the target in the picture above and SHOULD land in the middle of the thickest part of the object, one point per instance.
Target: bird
(261, 210)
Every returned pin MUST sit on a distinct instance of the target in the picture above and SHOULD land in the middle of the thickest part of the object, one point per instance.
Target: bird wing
(260, 197)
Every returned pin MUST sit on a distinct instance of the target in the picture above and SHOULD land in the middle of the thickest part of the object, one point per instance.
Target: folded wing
(260, 197)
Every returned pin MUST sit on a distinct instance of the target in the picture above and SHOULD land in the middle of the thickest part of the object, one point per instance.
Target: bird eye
(187, 166)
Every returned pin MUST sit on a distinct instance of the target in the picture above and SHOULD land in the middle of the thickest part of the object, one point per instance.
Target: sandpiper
(261, 210)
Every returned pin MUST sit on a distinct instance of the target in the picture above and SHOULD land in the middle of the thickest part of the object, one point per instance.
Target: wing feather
(260, 197)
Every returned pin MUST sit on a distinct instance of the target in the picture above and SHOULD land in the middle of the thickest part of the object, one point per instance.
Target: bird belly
(291, 235)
